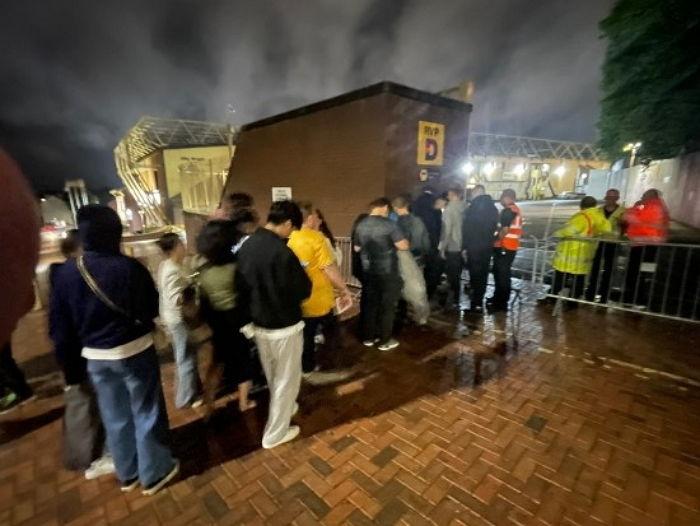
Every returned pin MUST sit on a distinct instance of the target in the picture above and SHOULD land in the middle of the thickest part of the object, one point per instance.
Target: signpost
(431, 142)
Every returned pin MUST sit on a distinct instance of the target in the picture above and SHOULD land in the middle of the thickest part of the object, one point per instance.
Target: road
(542, 218)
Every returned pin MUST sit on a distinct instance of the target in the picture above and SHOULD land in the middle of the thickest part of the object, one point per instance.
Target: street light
(560, 170)
(519, 169)
(467, 168)
(632, 147)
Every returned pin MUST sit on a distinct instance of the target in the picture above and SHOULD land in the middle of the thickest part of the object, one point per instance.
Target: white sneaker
(129, 486)
(369, 343)
(100, 467)
(388, 346)
(155, 488)
(197, 403)
(292, 433)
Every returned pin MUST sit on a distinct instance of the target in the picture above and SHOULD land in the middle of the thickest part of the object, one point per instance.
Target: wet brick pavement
(510, 420)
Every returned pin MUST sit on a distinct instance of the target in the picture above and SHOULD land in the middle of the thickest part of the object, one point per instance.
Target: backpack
(192, 301)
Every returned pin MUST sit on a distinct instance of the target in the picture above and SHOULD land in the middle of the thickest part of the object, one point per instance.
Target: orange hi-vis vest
(511, 241)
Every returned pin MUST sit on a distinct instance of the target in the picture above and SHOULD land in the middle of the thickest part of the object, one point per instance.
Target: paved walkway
(523, 420)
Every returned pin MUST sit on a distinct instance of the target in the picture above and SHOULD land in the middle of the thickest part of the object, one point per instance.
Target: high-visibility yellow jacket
(575, 256)
(615, 219)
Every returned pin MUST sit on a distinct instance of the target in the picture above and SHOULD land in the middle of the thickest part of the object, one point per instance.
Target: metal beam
(492, 144)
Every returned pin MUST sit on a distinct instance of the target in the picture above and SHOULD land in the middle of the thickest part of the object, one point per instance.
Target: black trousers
(432, 272)
(478, 264)
(575, 282)
(502, 263)
(453, 269)
(311, 328)
(601, 272)
(636, 288)
(232, 350)
(11, 376)
(381, 293)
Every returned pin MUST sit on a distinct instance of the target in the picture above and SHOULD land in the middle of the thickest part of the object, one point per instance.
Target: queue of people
(273, 290)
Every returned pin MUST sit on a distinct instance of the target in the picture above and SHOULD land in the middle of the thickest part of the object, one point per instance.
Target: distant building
(173, 166)
(534, 168)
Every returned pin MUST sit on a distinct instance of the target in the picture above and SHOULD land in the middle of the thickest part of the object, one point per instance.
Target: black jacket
(424, 208)
(271, 281)
(480, 224)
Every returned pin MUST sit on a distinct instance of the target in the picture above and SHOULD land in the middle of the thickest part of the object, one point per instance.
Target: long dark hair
(216, 240)
(325, 229)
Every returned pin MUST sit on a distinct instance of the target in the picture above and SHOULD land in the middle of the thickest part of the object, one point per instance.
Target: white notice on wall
(281, 193)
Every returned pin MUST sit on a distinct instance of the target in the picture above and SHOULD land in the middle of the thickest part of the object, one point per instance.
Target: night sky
(76, 74)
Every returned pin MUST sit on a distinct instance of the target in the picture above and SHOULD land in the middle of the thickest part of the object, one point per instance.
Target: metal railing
(655, 279)
(344, 244)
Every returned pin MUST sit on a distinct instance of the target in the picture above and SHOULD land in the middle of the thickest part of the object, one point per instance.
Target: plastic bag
(414, 291)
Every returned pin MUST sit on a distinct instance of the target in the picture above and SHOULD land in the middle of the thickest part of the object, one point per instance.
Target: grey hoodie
(452, 219)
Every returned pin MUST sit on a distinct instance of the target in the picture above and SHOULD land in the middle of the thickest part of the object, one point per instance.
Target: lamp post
(633, 148)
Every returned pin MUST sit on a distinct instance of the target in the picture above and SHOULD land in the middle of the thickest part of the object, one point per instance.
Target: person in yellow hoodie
(574, 254)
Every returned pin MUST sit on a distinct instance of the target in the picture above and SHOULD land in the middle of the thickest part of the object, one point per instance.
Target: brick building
(343, 152)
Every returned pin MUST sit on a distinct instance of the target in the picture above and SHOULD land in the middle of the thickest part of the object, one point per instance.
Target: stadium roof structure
(495, 145)
(151, 134)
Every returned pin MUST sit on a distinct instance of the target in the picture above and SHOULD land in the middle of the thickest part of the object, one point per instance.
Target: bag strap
(100, 294)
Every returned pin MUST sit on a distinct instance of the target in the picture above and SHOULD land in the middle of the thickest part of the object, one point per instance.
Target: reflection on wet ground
(518, 418)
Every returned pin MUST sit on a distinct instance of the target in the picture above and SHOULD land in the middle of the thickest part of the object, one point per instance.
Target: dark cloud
(77, 74)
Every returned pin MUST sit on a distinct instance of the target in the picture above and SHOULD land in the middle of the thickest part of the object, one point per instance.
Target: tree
(651, 78)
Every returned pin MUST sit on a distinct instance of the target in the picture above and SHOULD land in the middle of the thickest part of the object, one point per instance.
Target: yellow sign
(431, 140)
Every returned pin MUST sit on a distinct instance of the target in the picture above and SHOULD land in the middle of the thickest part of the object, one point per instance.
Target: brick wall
(402, 143)
(343, 155)
(333, 157)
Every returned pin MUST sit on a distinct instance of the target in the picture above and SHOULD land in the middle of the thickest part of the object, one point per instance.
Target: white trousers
(280, 354)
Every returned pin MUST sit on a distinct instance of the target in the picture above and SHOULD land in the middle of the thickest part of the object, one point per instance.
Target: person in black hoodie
(104, 303)
(479, 233)
(271, 280)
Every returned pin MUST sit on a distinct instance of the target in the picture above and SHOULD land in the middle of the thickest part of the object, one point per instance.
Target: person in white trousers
(273, 283)
(280, 354)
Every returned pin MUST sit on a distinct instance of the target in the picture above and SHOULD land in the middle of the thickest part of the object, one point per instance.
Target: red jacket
(647, 223)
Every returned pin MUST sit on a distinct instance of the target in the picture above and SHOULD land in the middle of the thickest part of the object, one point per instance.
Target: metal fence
(344, 246)
(658, 280)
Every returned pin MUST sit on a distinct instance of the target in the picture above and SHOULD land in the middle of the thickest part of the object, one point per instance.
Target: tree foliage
(651, 78)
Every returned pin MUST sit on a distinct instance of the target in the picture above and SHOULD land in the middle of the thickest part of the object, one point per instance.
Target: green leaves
(651, 78)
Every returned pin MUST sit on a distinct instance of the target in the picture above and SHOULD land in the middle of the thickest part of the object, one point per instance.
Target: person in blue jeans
(105, 302)
(171, 284)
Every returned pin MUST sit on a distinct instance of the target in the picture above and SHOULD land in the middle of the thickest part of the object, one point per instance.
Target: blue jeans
(133, 412)
(188, 383)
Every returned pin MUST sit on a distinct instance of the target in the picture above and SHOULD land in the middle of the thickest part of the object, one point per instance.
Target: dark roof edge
(374, 89)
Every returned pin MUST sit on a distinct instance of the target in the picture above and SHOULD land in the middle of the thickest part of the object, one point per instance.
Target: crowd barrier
(653, 279)
(660, 280)
(344, 246)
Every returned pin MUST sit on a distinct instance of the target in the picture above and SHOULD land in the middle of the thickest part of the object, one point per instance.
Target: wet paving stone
(518, 418)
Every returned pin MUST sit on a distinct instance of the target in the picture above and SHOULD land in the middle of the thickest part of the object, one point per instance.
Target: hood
(482, 201)
(99, 228)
